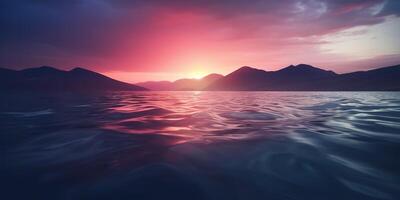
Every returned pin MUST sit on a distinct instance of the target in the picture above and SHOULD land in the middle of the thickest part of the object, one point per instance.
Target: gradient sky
(135, 40)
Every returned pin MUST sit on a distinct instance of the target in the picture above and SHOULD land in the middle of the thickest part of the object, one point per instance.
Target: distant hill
(51, 79)
(181, 84)
(308, 78)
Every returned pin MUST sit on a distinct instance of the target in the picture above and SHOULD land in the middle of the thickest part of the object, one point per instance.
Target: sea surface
(200, 145)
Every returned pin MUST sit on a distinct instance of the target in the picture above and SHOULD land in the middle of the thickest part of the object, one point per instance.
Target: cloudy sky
(138, 40)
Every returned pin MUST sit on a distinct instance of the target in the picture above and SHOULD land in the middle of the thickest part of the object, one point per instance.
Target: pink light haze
(168, 40)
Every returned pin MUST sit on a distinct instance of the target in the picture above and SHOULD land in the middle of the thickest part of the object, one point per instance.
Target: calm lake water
(201, 145)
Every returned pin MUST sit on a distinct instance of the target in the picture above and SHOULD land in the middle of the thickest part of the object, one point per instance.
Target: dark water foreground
(201, 145)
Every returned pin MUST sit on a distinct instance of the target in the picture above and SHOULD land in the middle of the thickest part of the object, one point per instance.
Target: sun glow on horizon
(196, 74)
(197, 70)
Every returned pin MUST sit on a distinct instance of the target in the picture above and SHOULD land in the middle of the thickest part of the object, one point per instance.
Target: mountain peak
(246, 68)
(85, 72)
(42, 68)
(212, 77)
(305, 68)
(79, 69)
(300, 67)
(46, 67)
(41, 71)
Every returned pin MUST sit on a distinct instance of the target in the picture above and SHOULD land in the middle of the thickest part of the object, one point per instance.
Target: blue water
(201, 145)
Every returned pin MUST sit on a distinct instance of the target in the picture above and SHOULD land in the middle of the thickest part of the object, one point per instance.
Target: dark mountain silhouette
(181, 84)
(381, 79)
(292, 78)
(304, 72)
(51, 79)
(308, 78)
(245, 78)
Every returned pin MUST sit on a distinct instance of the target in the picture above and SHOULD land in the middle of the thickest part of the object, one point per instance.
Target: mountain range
(51, 79)
(300, 77)
(304, 77)
(181, 84)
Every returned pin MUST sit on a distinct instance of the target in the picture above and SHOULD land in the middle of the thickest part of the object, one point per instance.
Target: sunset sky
(169, 39)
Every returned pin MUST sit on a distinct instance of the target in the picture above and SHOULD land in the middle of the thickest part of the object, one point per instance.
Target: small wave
(364, 189)
(250, 115)
(30, 114)
(284, 145)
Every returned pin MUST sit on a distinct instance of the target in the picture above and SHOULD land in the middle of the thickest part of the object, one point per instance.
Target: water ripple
(216, 145)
